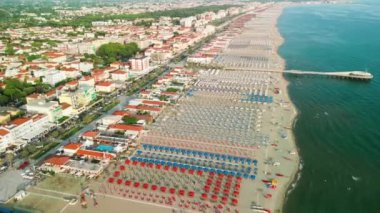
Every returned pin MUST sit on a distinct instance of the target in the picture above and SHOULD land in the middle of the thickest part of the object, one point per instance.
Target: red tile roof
(94, 154)
(65, 106)
(126, 127)
(119, 72)
(121, 113)
(3, 132)
(58, 160)
(19, 121)
(72, 83)
(157, 103)
(90, 134)
(104, 83)
(73, 146)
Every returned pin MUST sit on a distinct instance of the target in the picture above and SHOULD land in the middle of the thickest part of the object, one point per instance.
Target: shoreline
(294, 174)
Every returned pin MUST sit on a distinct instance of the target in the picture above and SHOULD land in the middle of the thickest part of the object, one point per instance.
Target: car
(23, 165)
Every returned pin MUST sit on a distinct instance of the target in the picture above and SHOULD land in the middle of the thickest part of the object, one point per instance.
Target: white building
(119, 75)
(140, 64)
(105, 86)
(54, 76)
(25, 129)
(52, 109)
(187, 22)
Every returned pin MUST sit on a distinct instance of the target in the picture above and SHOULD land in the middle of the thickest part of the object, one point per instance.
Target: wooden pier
(360, 75)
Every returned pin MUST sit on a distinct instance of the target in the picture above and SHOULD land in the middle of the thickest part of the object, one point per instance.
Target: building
(52, 109)
(79, 98)
(140, 63)
(119, 75)
(131, 131)
(53, 77)
(26, 129)
(71, 148)
(105, 87)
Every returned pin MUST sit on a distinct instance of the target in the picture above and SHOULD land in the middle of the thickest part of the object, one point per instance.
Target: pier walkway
(359, 75)
(345, 74)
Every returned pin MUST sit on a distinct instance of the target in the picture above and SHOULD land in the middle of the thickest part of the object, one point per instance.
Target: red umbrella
(220, 206)
(174, 169)
(191, 171)
(218, 183)
(207, 188)
(142, 164)
(119, 181)
(163, 189)
(150, 165)
(154, 187)
(158, 166)
(204, 196)
(228, 183)
(166, 167)
(116, 173)
(236, 193)
(172, 190)
(145, 185)
(128, 182)
(135, 163)
(136, 184)
(111, 180)
(191, 194)
(122, 167)
(234, 202)
(220, 176)
(230, 177)
(238, 180)
(199, 172)
(127, 161)
(209, 182)
(224, 200)
(181, 192)
(214, 198)
(226, 191)
(237, 186)
(211, 174)
(183, 170)
(217, 189)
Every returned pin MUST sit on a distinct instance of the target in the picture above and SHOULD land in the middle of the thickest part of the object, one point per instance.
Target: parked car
(23, 165)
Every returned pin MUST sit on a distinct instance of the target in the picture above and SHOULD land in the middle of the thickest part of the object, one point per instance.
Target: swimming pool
(107, 148)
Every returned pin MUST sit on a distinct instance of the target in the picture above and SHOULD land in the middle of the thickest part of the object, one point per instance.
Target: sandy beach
(230, 117)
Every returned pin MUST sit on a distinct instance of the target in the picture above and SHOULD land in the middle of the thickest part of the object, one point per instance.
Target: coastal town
(185, 110)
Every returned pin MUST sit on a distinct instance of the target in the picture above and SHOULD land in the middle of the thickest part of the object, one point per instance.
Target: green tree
(9, 49)
(112, 52)
(37, 44)
(24, 153)
(129, 120)
(4, 100)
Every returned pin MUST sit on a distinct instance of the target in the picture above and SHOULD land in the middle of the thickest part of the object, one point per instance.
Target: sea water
(338, 126)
